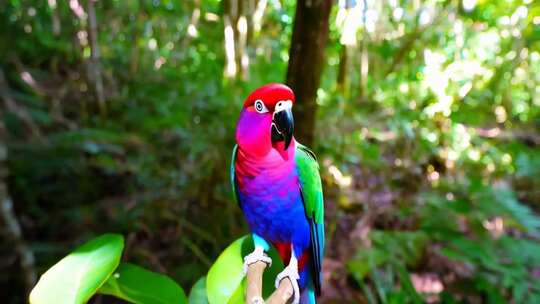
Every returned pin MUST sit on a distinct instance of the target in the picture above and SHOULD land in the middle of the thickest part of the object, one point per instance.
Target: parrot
(277, 184)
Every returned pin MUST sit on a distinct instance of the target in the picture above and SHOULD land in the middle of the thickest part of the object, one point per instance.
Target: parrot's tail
(307, 296)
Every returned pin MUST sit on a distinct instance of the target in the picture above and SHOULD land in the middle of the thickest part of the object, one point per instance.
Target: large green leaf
(197, 294)
(138, 285)
(226, 282)
(75, 278)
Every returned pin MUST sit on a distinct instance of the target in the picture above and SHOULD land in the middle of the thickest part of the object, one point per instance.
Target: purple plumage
(270, 197)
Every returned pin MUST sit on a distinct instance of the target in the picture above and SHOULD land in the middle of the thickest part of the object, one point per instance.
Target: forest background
(119, 116)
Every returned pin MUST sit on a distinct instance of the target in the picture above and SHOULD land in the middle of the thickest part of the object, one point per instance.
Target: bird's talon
(291, 274)
(254, 257)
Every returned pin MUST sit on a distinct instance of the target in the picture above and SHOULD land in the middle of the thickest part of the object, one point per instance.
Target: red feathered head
(266, 121)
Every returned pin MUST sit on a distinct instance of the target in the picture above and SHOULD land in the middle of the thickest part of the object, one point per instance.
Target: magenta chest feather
(269, 195)
(257, 174)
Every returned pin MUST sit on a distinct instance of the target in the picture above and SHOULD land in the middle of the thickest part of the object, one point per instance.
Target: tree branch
(282, 294)
(529, 138)
(411, 38)
(11, 225)
(12, 106)
(254, 283)
(95, 65)
(254, 287)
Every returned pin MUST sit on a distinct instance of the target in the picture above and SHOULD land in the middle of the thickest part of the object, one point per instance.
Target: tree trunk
(364, 69)
(230, 8)
(9, 224)
(241, 31)
(343, 75)
(364, 58)
(95, 64)
(306, 60)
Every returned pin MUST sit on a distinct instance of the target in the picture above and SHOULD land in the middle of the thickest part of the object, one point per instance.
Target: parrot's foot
(257, 255)
(291, 272)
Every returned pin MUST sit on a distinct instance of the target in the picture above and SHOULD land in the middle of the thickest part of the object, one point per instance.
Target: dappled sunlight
(159, 62)
(495, 226)
(349, 20)
(152, 44)
(341, 179)
(429, 284)
(77, 9)
(469, 5)
(500, 114)
(432, 174)
(27, 77)
(230, 69)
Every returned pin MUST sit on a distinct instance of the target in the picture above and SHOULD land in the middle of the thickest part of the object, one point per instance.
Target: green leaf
(198, 292)
(75, 278)
(225, 282)
(138, 285)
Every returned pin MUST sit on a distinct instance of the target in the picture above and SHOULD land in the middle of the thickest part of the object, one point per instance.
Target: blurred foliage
(428, 145)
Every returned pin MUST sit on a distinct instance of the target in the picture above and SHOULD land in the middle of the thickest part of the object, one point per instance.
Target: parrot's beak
(283, 126)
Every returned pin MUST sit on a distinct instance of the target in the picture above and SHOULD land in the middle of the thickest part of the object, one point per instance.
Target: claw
(257, 255)
(291, 272)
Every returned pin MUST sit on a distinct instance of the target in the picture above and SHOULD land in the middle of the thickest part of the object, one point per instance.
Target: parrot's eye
(260, 107)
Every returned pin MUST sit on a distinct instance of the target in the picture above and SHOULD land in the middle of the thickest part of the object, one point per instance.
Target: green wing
(312, 194)
(233, 178)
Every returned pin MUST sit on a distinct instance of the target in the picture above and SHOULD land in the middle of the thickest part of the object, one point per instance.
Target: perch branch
(254, 283)
(282, 294)
(254, 287)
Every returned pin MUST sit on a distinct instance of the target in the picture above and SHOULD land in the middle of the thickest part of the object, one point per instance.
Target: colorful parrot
(277, 184)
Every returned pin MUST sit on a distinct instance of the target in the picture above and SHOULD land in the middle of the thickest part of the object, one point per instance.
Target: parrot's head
(266, 121)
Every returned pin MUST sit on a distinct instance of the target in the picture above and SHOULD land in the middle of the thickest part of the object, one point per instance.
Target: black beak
(283, 127)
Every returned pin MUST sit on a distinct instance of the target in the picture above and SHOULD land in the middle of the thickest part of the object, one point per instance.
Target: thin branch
(282, 294)
(56, 29)
(10, 221)
(95, 67)
(197, 251)
(254, 287)
(254, 280)
(411, 38)
(192, 31)
(364, 55)
(12, 106)
(258, 15)
(530, 138)
(13, 229)
(229, 16)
